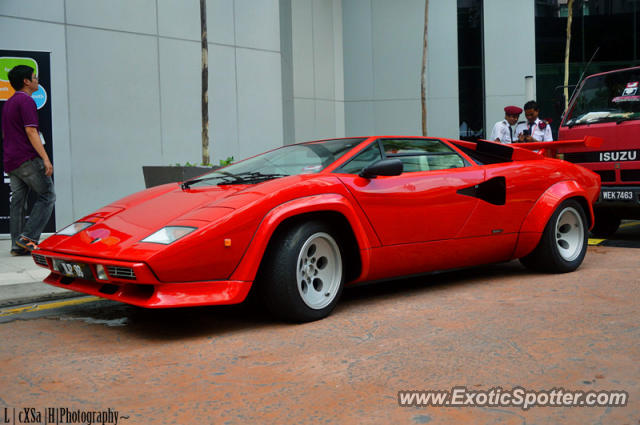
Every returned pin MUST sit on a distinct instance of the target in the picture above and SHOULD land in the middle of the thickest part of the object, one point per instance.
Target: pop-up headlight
(168, 234)
(76, 227)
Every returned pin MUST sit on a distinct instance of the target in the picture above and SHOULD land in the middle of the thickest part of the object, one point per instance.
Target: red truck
(607, 105)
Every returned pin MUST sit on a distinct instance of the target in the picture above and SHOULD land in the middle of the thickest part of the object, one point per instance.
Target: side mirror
(384, 167)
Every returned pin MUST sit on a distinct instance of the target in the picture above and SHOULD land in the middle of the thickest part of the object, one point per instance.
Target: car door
(423, 203)
(524, 183)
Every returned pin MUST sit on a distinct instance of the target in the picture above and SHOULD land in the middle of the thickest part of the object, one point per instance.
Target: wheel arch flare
(331, 208)
(535, 222)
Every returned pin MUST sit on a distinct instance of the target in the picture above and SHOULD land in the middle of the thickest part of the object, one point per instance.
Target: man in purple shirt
(26, 162)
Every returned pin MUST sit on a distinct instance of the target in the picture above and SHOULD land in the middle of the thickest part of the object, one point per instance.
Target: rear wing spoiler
(524, 151)
(551, 148)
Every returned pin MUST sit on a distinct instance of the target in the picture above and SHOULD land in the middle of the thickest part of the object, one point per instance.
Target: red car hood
(135, 217)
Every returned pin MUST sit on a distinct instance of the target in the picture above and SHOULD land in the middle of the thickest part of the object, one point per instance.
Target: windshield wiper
(229, 178)
(225, 175)
(251, 177)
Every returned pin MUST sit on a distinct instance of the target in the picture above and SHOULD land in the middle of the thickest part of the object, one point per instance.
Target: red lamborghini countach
(299, 222)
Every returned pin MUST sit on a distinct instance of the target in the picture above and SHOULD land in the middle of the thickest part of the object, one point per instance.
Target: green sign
(7, 63)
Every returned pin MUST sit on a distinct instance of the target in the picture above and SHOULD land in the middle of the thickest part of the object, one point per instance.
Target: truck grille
(121, 272)
(40, 259)
(630, 175)
(606, 175)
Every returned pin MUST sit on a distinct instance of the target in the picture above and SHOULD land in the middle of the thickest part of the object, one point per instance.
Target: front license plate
(82, 271)
(617, 195)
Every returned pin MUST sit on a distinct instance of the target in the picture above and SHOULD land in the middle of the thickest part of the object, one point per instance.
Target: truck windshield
(604, 98)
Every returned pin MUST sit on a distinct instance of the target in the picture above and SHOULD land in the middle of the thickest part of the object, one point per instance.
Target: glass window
(608, 97)
(362, 160)
(414, 147)
(303, 158)
(604, 36)
(422, 154)
(470, 69)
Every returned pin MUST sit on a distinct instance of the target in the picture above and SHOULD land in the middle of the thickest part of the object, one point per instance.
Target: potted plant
(155, 175)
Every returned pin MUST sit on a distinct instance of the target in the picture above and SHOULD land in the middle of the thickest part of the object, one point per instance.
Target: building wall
(382, 67)
(126, 86)
(318, 85)
(509, 55)
(126, 78)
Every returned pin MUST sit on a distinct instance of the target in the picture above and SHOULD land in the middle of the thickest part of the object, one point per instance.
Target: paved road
(493, 326)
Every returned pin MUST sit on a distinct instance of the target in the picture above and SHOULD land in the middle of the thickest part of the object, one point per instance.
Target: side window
(422, 154)
(362, 160)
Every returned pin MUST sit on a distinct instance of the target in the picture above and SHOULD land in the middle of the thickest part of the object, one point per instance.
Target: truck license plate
(617, 195)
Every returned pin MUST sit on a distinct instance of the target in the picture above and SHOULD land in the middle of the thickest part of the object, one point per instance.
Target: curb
(35, 292)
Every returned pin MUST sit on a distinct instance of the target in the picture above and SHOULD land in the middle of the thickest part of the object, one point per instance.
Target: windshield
(605, 98)
(305, 158)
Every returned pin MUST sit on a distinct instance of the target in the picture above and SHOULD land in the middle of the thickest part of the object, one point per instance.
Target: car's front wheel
(302, 276)
(564, 241)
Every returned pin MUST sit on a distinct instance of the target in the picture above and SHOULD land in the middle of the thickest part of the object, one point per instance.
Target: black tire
(564, 241)
(606, 224)
(302, 275)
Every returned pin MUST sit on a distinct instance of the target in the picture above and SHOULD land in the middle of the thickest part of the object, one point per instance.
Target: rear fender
(365, 237)
(535, 222)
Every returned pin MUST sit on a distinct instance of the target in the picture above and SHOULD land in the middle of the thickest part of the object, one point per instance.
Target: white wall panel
(323, 49)
(397, 117)
(358, 50)
(223, 104)
(46, 10)
(115, 119)
(360, 120)
(397, 48)
(338, 63)
(180, 96)
(325, 119)
(259, 101)
(303, 53)
(507, 62)
(117, 15)
(257, 24)
(442, 70)
(181, 102)
(179, 19)
(385, 39)
(305, 125)
(220, 22)
(341, 129)
(443, 118)
(317, 68)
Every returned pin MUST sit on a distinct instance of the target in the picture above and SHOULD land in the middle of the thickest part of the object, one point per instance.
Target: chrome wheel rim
(319, 271)
(569, 234)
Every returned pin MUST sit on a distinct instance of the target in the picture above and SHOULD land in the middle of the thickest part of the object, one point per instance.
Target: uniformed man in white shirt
(534, 129)
(504, 131)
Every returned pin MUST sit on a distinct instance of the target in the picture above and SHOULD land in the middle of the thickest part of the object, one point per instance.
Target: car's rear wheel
(606, 224)
(302, 276)
(564, 241)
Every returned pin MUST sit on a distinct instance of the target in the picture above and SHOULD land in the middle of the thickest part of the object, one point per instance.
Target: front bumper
(140, 287)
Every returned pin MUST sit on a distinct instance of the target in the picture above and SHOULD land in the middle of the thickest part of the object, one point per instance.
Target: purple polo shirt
(18, 112)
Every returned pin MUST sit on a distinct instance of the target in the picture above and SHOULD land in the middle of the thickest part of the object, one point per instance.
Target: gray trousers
(30, 176)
